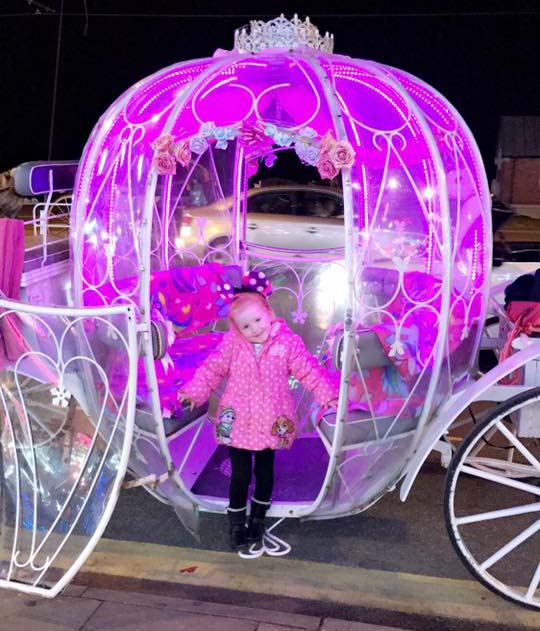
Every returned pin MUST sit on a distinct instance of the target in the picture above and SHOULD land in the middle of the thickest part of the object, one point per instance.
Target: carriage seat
(182, 418)
(176, 366)
(44, 177)
(369, 347)
(363, 425)
(185, 302)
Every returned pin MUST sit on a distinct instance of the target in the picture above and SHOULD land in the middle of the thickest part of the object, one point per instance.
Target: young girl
(255, 415)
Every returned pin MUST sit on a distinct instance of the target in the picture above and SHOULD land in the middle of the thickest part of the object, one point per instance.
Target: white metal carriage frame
(44, 559)
(151, 458)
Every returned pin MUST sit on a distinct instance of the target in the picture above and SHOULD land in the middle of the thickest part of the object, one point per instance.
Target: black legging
(242, 468)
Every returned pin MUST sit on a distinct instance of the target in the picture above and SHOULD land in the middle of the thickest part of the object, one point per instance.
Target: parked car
(299, 218)
(308, 218)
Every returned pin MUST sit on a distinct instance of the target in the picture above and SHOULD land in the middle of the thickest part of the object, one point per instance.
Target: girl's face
(254, 321)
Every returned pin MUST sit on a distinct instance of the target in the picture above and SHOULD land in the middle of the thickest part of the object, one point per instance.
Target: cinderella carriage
(395, 308)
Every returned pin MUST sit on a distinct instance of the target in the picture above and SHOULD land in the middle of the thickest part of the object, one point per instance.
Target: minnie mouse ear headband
(252, 281)
(256, 281)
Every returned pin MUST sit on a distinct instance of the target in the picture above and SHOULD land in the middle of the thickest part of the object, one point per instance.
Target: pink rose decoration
(342, 154)
(164, 163)
(163, 143)
(327, 141)
(182, 153)
(252, 135)
(327, 169)
(252, 167)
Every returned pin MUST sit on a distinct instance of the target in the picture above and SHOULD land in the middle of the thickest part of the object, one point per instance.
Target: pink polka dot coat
(256, 410)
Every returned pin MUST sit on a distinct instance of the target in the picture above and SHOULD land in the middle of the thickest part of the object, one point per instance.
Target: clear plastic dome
(405, 272)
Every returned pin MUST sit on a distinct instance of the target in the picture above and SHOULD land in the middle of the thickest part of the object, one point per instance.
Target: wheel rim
(492, 502)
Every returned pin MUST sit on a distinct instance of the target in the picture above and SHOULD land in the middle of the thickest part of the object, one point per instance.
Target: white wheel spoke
(510, 468)
(457, 424)
(508, 517)
(534, 584)
(482, 443)
(499, 479)
(513, 543)
(519, 445)
(498, 514)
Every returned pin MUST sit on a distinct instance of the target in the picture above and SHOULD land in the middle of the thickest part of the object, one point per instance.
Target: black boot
(256, 520)
(237, 530)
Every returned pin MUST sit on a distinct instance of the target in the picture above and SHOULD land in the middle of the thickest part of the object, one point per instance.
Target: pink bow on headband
(253, 280)
(256, 281)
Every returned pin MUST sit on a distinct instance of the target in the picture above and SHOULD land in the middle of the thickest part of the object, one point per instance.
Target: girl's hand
(183, 400)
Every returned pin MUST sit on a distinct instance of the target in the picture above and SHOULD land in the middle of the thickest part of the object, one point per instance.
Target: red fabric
(526, 319)
(11, 267)
(11, 256)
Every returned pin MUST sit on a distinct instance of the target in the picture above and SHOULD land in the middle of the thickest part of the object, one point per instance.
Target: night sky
(483, 56)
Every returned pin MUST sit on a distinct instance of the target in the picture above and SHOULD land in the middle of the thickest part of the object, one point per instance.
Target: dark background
(483, 56)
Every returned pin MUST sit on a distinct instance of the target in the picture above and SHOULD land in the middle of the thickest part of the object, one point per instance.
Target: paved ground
(392, 535)
(91, 609)
(393, 564)
(341, 575)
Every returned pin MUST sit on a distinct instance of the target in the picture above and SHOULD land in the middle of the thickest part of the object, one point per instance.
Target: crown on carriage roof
(281, 33)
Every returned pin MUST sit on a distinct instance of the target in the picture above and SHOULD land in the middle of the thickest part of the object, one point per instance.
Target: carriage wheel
(492, 502)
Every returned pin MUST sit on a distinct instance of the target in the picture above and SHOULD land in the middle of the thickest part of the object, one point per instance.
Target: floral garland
(327, 154)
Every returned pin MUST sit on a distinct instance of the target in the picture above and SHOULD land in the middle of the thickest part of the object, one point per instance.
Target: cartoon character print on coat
(224, 425)
(281, 428)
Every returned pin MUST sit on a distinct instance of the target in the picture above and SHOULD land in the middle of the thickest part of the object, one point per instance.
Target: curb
(321, 589)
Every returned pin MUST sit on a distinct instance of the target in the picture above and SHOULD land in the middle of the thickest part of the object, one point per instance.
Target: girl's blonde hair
(248, 297)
